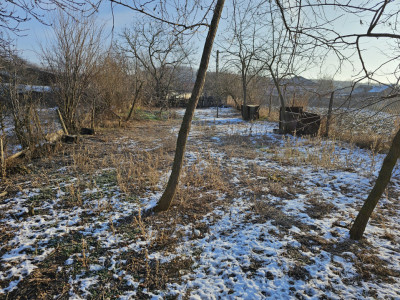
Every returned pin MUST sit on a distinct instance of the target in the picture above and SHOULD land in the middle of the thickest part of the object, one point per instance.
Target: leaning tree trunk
(135, 97)
(357, 230)
(169, 193)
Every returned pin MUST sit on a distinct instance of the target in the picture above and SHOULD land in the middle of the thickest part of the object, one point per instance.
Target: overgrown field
(257, 216)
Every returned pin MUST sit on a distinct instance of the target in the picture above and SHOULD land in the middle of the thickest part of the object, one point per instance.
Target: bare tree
(19, 99)
(243, 45)
(112, 88)
(358, 228)
(284, 57)
(229, 85)
(137, 83)
(378, 20)
(169, 193)
(73, 58)
(15, 13)
(159, 52)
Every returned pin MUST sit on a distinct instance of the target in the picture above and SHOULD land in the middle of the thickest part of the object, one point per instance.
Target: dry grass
(367, 139)
(341, 129)
(360, 135)
(272, 116)
(132, 160)
(318, 208)
(263, 212)
(314, 151)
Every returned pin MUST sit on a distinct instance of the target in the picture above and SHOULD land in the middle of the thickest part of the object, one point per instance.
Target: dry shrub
(272, 116)
(205, 173)
(208, 130)
(110, 121)
(300, 101)
(138, 171)
(73, 197)
(165, 240)
(276, 189)
(364, 140)
(202, 179)
(82, 159)
(363, 136)
(169, 145)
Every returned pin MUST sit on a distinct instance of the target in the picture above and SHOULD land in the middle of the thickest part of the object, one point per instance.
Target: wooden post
(329, 116)
(62, 122)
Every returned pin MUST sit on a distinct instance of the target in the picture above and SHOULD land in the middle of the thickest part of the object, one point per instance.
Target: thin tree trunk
(3, 160)
(358, 228)
(329, 116)
(62, 122)
(281, 99)
(134, 102)
(270, 104)
(169, 193)
(217, 80)
(244, 87)
(93, 114)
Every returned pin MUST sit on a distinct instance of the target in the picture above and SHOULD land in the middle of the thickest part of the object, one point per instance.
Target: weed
(139, 223)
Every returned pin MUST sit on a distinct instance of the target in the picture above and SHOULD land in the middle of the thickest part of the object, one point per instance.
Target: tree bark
(270, 104)
(328, 118)
(136, 96)
(358, 228)
(92, 122)
(3, 160)
(169, 193)
(244, 87)
(60, 117)
(281, 99)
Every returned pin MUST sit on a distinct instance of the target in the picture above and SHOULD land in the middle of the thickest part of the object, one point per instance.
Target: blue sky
(375, 50)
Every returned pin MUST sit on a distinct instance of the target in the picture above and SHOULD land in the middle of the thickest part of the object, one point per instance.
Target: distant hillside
(25, 72)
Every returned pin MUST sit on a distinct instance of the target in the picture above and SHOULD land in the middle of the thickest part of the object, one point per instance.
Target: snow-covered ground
(278, 227)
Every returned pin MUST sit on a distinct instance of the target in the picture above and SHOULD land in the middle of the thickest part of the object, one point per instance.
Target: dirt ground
(69, 227)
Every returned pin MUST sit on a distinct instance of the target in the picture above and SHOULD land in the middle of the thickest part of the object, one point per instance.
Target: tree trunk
(281, 99)
(217, 81)
(328, 118)
(270, 104)
(60, 117)
(358, 228)
(244, 87)
(169, 193)
(92, 121)
(3, 160)
(135, 97)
